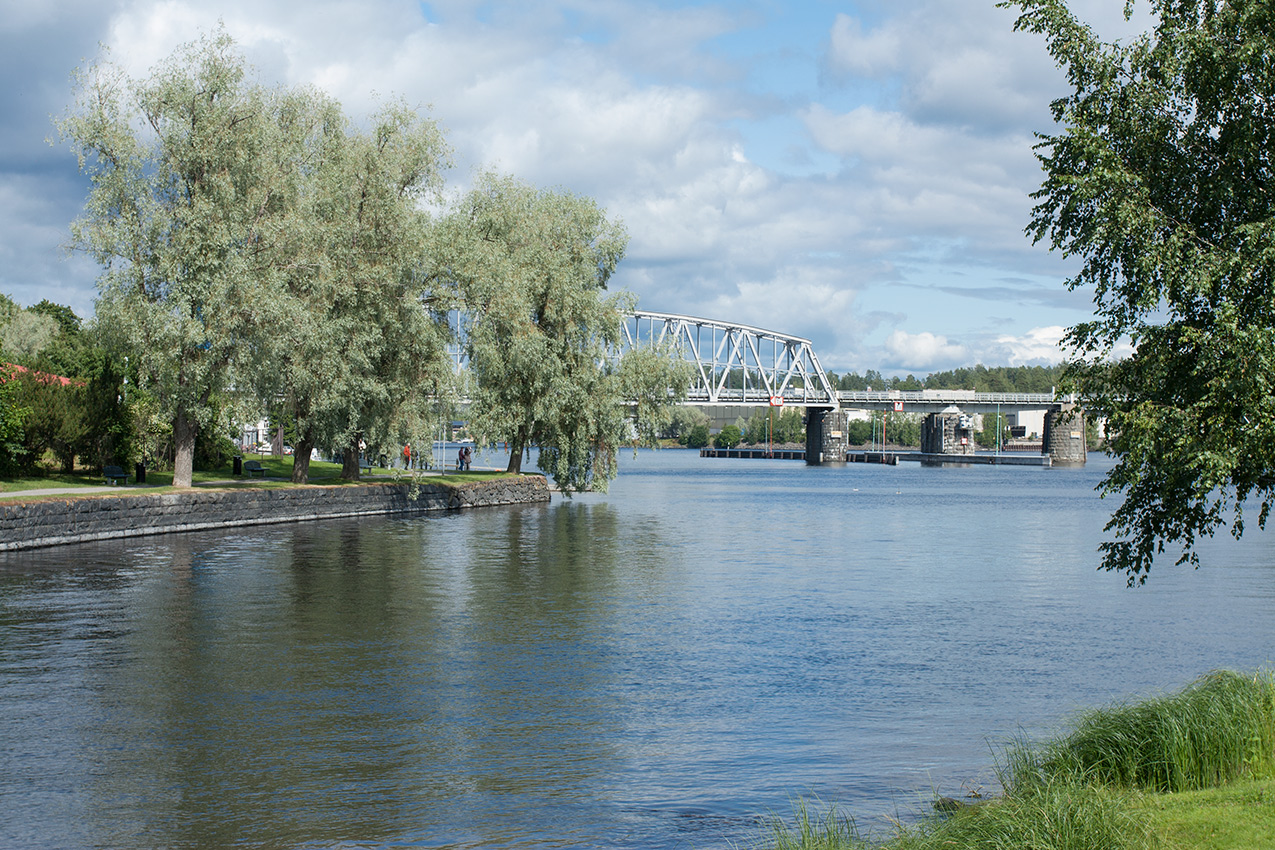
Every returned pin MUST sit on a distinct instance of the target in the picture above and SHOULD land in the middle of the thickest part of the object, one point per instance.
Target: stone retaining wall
(50, 522)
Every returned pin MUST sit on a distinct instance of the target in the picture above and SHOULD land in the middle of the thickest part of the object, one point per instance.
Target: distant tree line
(980, 378)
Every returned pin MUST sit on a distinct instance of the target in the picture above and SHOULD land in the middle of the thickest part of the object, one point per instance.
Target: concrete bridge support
(1065, 436)
(948, 433)
(825, 435)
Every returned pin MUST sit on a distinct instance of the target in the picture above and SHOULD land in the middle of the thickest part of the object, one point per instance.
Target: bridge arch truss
(734, 363)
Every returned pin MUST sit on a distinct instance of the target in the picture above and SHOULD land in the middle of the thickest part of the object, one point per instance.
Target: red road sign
(898, 406)
(776, 401)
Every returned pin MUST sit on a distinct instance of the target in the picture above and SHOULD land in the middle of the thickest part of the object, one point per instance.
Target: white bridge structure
(734, 363)
(742, 365)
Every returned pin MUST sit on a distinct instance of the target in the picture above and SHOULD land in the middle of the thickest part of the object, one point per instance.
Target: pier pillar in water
(1065, 436)
(948, 433)
(825, 436)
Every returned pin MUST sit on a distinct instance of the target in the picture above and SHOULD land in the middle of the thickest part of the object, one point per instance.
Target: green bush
(859, 432)
(697, 437)
(728, 438)
(213, 450)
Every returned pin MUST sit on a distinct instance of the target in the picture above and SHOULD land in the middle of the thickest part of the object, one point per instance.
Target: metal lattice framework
(735, 364)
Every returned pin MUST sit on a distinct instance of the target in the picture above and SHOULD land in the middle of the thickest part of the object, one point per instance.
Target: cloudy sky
(852, 172)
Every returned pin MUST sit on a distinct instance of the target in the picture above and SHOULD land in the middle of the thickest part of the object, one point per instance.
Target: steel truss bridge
(737, 364)
(733, 363)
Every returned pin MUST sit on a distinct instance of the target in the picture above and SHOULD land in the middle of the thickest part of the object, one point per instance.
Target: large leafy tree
(360, 352)
(1161, 180)
(194, 174)
(532, 267)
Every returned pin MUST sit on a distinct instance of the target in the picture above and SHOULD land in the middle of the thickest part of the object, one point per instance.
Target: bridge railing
(930, 399)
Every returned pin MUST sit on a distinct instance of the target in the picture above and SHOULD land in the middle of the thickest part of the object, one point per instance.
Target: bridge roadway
(925, 401)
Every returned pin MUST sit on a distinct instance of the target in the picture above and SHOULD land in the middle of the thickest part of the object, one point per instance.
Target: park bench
(365, 466)
(254, 467)
(114, 475)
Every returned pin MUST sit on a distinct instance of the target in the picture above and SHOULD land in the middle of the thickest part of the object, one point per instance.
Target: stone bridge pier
(948, 433)
(1065, 436)
(825, 435)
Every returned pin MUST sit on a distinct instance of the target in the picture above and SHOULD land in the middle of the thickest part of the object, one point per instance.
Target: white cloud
(923, 352)
(852, 52)
(1039, 346)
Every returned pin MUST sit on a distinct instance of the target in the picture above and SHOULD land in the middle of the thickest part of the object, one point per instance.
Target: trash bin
(238, 467)
(139, 473)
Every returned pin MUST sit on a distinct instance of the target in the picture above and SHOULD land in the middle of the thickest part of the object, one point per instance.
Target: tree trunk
(515, 454)
(301, 459)
(350, 466)
(184, 432)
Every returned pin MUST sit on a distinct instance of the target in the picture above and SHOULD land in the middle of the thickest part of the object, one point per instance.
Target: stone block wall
(49, 522)
(826, 435)
(1065, 437)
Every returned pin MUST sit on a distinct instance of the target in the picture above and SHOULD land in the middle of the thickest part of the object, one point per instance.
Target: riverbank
(27, 523)
(1195, 769)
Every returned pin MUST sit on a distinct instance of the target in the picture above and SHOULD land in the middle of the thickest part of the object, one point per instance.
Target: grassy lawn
(1240, 816)
(278, 473)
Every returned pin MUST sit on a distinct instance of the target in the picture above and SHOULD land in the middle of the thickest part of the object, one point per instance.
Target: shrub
(697, 437)
(728, 438)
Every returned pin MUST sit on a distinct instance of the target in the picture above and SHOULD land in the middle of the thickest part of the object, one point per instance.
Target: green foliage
(213, 450)
(980, 378)
(859, 432)
(359, 349)
(1061, 816)
(997, 379)
(682, 419)
(1058, 816)
(56, 419)
(532, 267)
(12, 416)
(194, 172)
(1161, 180)
(903, 429)
(777, 426)
(25, 335)
(995, 431)
(697, 437)
(108, 437)
(1082, 791)
(1218, 729)
(728, 438)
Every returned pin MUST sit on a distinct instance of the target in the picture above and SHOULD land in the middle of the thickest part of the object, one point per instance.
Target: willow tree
(194, 174)
(532, 268)
(360, 353)
(1161, 180)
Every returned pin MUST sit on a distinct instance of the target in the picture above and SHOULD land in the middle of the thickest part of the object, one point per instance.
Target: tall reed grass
(1218, 729)
(1072, 793)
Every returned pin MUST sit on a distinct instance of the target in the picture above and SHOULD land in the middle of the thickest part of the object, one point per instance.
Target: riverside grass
(1127, 777)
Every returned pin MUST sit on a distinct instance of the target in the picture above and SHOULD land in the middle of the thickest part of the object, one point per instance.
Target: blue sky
(853, 172)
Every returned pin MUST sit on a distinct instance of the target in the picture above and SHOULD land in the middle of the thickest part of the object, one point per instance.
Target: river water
(666, 666)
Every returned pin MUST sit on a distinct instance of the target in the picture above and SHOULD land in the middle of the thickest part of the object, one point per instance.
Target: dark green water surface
(666, 666)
